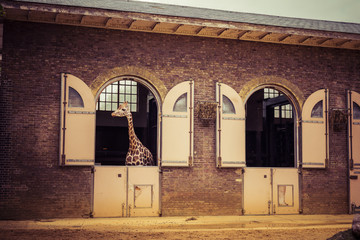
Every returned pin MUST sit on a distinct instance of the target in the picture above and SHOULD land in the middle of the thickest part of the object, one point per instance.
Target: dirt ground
(297, 227)
(316, 233)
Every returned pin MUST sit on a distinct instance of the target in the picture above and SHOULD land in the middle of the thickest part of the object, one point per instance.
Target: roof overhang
(166, 24)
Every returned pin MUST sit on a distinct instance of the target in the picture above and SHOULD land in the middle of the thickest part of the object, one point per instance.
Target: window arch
(112, 139)
(270, 129)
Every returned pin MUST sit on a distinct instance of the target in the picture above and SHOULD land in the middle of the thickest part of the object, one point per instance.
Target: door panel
(285, 191)
(271, 191)
(315, 129)
(178, 126)
(121, 191)
(230, 128)
(354, 150)
(143, 191)
(109, 191)
(77, 132)
(257, 194)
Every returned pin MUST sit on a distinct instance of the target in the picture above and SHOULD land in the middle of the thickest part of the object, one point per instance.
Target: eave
(157, 23)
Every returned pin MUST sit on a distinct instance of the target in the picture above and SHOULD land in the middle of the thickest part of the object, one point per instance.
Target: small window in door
(356, 109)
(228, 106)
(181, 104)
(317, 111)
(75, 99)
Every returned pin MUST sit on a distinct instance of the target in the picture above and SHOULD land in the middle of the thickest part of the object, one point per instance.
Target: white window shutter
(315, 130)
(77, 132)
(178, 126)
(354, 148)
(230, 128)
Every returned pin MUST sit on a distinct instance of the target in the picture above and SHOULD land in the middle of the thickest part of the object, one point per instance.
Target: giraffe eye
(124, 109)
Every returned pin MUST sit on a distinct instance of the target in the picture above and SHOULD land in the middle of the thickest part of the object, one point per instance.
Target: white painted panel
(109, 191)
(77, 132)
(230, 129)
(178, 127)
(315, 138)
(257, 191)
(354, 150)
(285, 191)
(143, 191)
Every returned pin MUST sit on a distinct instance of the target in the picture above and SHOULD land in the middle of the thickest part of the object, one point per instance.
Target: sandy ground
(226, 227)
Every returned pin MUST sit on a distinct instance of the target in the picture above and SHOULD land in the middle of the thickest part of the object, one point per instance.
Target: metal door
(121, 191)
(271, 191)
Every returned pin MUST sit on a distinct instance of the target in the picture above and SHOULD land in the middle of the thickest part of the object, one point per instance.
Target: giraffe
(137, 154)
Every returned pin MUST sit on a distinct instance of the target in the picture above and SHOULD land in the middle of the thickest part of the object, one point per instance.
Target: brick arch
(104, 77)
(291, 90)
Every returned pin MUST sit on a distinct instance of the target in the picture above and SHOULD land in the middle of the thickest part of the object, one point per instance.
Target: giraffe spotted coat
(137, 154)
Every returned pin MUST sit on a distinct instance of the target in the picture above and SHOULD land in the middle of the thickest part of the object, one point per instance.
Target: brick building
(243, 113)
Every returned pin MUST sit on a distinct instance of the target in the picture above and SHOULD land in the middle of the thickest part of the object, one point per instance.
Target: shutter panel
(77, 132)
(178, 126)
(354, 150)
(315, 130)
(230, 128)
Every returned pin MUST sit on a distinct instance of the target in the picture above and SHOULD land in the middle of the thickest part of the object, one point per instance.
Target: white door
(271, 191)
(354, 150)
(110, 191)
(178, 126)
(257, 191)
(230, 128)
(77, 131)
(126, 191)
(285, 188)
(143, 191)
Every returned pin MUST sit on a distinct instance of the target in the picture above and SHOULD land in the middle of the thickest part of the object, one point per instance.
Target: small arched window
(228, 106)
(317, 111)
(181, 104)
(356, 109)
(75, 99)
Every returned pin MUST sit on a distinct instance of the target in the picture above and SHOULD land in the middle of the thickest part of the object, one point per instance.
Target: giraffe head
(122, 111)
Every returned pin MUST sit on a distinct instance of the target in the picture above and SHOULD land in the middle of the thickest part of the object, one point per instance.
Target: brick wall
(34, 55)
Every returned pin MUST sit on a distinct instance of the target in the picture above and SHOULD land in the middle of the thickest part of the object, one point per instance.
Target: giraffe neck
(132, 135)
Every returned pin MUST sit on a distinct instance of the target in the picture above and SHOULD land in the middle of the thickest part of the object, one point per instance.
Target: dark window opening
(269, 130)
(112, 137)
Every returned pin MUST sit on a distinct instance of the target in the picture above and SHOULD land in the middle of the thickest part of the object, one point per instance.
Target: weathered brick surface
(34, 55)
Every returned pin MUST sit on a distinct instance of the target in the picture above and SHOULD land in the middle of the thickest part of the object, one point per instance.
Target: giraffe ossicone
(138, 154)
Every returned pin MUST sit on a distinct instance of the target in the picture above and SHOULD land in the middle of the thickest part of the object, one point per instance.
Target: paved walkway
(186, 223)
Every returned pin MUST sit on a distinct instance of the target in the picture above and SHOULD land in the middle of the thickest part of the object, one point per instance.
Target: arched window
(270, 130)
(118, 92)
(181, 104)
(75, 99)
(228, 106)
(112, 139)
(356, 109)
(317, 111)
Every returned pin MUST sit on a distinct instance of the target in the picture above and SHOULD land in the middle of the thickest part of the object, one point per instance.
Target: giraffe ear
(125, 104)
